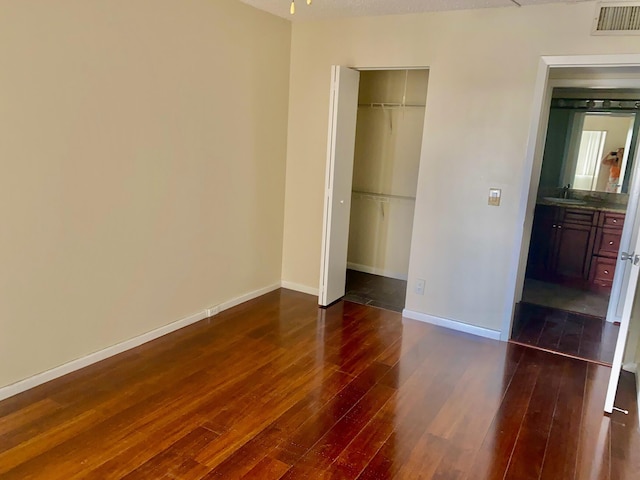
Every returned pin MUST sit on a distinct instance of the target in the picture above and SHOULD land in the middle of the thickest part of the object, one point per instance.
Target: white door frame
(533, 160)
(325, 223)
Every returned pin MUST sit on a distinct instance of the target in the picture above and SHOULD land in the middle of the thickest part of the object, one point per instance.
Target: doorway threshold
(555, 352)
(566, 333)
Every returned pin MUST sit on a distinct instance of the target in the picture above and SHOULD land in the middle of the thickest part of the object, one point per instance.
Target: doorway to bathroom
(571, 300)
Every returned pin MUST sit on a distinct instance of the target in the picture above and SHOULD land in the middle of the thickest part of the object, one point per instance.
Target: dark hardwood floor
(582, 336)
(277, 388)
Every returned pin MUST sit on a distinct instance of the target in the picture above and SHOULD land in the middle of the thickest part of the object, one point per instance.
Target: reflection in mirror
(591, 141)
(598, 155)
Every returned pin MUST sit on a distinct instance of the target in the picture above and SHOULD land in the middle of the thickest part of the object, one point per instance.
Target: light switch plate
(494, 197)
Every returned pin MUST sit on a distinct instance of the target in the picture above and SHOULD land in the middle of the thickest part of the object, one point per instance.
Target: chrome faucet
(565, 190)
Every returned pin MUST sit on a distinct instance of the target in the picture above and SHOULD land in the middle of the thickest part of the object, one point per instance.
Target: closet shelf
(382, 195)
(390, 105)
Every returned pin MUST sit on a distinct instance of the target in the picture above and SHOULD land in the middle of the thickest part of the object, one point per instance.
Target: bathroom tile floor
(375, 290)
(565, 298)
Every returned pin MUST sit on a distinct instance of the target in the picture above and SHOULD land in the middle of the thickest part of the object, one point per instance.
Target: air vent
(617, 18)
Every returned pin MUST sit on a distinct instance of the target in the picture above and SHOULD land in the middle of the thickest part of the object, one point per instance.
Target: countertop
(589, 205)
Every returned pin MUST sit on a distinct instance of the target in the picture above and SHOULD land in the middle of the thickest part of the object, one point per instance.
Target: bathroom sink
(565, 201)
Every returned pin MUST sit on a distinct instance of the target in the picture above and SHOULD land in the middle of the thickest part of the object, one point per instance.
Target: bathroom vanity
(575, 243)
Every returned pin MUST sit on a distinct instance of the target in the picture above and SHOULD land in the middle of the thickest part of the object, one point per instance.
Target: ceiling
(360, 8)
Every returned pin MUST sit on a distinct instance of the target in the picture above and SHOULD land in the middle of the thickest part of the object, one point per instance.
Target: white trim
(638, 393)
(452, 324)
(298, 287)
(363, 69)
(593, 83)
(72, 366)
(620, 60)
(376, 271)
(630, 367)
(535, 145)
(248, 296)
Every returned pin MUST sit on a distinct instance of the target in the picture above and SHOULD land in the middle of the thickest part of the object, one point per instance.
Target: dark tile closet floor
(375, 290)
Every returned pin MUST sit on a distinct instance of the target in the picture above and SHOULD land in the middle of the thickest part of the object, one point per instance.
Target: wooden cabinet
(605, 251)
(576, 247)
(607, 242)
(573, 248)
(602, 271)
(541, 245)
(562, 242)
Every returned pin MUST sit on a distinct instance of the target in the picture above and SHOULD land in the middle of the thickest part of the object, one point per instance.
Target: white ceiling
(360, 8)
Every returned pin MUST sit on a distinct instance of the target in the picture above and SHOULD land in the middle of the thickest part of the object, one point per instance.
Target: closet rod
(390, 105)
(382, 195)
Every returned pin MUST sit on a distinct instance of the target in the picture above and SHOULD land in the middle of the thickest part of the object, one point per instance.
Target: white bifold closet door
(343, 111)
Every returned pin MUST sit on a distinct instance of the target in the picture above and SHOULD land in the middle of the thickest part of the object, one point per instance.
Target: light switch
(494, 197)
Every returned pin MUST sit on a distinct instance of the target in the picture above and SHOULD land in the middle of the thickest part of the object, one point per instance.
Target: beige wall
(142, 151)
(483, 67)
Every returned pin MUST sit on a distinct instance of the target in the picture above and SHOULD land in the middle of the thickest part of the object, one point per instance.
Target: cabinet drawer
(602, 270)
(612, 220)
(582, 217)
(608, 242)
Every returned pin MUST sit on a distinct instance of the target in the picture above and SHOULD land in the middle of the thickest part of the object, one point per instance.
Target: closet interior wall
(387, 155)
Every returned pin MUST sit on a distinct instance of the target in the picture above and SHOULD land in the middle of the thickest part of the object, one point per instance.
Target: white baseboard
(452, 324)
(298, 287)
(248, 296)
(377, 271)
(72, 366)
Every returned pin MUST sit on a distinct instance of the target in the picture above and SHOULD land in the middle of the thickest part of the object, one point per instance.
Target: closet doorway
(389, 126)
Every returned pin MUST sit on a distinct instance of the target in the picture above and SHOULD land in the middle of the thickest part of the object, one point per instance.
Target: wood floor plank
(560, 457)
(528, 453)
(278, 388)
(418, 404)
(25, 417)
(481, 393)
(327, 448)
(494, 454)
(268, 469)
(594, 443)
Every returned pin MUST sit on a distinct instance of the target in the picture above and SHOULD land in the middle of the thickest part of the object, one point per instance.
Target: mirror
(590, 145)
(598, 151)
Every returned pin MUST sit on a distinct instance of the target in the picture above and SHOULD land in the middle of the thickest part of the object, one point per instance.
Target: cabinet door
(541, 245)
(573, 247)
